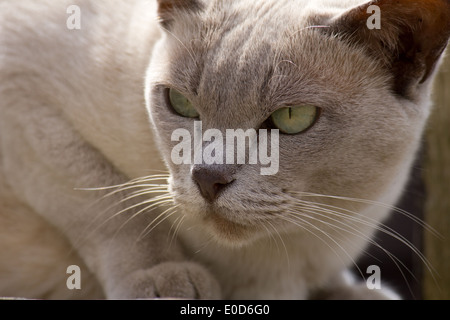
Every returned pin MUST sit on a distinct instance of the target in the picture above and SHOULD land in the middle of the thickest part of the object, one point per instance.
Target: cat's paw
(182, 280)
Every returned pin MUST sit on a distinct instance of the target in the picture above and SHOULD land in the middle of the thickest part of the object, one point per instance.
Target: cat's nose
(211, 180)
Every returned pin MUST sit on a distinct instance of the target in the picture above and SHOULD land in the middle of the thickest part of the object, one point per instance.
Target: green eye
(182, 105)
(296, 119)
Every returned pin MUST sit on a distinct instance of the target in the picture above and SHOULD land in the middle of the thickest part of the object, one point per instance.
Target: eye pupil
(296, 119)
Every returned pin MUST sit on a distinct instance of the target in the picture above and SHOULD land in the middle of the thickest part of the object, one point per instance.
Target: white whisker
(353, 216)
(177, 229)
(263, 224)
(359, 234)
(155, 223)
(300, 222)
(377, 204)
(131, 182)
(140, 187)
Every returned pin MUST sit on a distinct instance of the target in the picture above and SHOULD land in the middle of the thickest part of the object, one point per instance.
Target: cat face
(237, 63)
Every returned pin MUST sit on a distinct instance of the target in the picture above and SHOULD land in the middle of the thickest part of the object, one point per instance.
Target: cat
(91, 93)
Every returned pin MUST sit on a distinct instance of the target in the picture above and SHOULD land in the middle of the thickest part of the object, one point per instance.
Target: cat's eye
(295, 119)
(182, 105)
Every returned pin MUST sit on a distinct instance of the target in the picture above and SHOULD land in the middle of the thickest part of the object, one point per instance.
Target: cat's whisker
(378, 226)
(144, 192)
(156, 201)
(301, 217)
(177, 229)
(109, 208)
(393, 208)
(135, 183)
(305, 213)
(327, 213)
(150, 178)
(355, 232)
(353, 216)
(131, 187)
(148, 188)
(205, 244)
(148, 209)
(298, 221)
(171, 231)
(271, 236)
(159, 172)
(155, 223)
(264, 224)
(128, 183)
(282, 243)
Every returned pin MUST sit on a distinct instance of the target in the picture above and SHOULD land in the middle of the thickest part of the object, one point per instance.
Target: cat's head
(350, 101)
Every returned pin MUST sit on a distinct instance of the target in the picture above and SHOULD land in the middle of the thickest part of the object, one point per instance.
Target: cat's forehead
(247, 61)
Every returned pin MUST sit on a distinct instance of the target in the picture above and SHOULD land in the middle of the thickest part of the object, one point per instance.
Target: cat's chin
(229, 232)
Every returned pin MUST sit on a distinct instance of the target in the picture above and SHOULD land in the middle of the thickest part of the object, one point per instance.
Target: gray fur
(72, 115)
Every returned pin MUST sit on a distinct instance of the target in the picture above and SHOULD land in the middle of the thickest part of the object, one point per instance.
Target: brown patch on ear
(413, 36)
(168, 8)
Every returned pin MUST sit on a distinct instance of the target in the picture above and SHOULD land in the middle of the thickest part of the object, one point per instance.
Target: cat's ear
(170, 10)
(409, 36)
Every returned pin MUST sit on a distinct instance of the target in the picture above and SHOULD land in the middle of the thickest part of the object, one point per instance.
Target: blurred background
(427, 197)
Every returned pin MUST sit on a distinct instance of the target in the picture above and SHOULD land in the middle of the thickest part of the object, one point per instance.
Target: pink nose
(211, 181)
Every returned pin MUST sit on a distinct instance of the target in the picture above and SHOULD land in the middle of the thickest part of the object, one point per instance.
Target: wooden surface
(437, 183)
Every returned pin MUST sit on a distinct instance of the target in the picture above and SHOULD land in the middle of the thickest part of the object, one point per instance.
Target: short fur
(74, 115)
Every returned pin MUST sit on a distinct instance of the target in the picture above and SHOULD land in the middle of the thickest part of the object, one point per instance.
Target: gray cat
(93, 92)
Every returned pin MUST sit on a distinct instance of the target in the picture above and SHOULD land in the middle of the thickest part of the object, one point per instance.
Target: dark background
(404, 279)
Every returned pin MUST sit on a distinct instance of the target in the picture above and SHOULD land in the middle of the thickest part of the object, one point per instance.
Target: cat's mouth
(222, 220)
